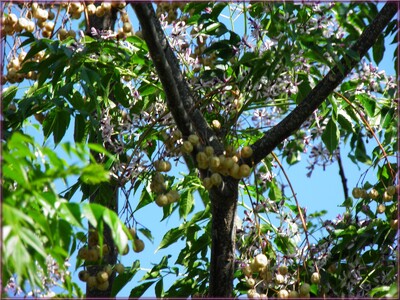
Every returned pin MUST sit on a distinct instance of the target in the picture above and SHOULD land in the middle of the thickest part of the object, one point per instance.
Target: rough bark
(189, 120)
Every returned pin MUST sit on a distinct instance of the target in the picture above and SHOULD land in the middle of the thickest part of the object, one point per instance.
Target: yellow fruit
(103, 286)
(293, 294)
(106, 6)
(162, 200)
(230, 150)
(11, 20)
(108, 269)
(167, 166)
(91, 9)
(373, 194)
(100, 12)
(214, 163)
(158, 177)
(386, 197)
(119, 268)
(250, 282)
(247, 270)
(391, 190)
(279, 279)
(244, 171)
(246, 152)
(83, 275)
(357, 193)
(234, 171)
(304, 289)
(283, 294)
(102, 277)
(127, 27)
(381, 208)
(228, 163)
(201, 157)
(209, 151)
(207, 183)
(138, 245)
(126, 250)
(216, 124)
(172, 196)
(315, 278)
(91, 282)
(124, 17)
(253, 294)
(187, 147)
(83, 252)
(194, 139)
(283, 269)
(93, 255)
(216, 179)
(260, 261)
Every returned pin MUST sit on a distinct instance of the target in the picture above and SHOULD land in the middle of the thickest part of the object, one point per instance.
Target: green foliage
(38, 225)
(105, 92)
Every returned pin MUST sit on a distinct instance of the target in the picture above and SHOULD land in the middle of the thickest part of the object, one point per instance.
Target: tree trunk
(107, 193)
(223, 240)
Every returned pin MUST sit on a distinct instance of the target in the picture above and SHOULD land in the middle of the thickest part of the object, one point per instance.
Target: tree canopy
(193, 113)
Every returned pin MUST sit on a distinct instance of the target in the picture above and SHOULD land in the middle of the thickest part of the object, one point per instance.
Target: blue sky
(322, 191)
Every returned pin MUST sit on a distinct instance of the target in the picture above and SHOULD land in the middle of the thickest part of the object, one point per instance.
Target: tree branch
(177, 91)
(314, 99)
(342, 176)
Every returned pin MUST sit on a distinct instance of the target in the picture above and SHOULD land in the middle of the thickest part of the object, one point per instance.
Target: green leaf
(93, 212)
(8, 94)
(388, 118)
(71, 212)
(145, 199)
(159, 288)
(94, 174)
(185, 203)
(117, 229)
(80, 128)
(368, 103)
(140, 289)
(32, 240)
(331, 136)
(171, 237)
(344, 121)
(378, 49)
(147, 234)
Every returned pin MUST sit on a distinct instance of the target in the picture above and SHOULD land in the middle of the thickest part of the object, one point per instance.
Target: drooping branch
(317, 96)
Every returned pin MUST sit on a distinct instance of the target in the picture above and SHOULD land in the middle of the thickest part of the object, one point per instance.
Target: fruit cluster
(92, 254)
(226, 164)
(41, 18)
(259, 265)
(159, 186)
(373, 194)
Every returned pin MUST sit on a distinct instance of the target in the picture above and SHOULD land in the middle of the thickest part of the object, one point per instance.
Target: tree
(167, 95)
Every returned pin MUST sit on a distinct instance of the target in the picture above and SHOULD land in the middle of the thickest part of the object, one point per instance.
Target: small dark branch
(314, 99)
(342, 176)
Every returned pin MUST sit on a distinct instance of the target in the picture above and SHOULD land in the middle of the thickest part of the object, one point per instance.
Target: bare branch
(293, 121)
